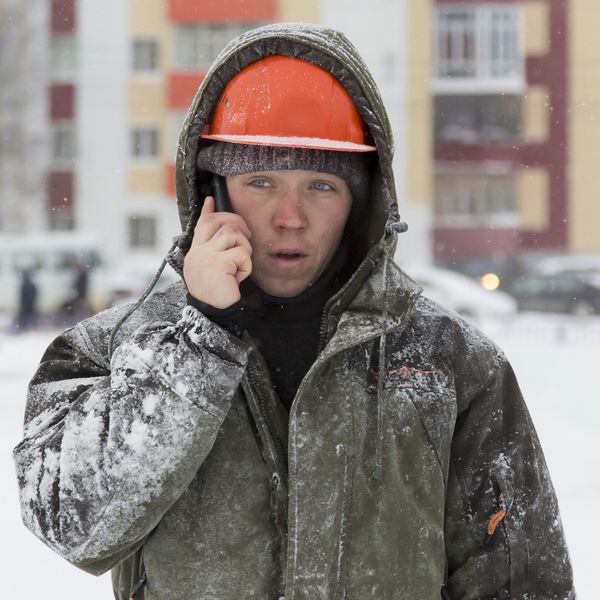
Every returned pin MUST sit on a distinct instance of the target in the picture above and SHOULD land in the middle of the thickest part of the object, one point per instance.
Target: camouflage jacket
(408, 466)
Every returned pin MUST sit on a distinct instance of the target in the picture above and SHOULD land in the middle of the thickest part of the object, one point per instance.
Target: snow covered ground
(556, 359)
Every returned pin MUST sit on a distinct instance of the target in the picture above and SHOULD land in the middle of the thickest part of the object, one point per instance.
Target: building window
(63, 142)
(63, 56)
(61, 219)
(142, 232)
(196, 46)
(480, 43)
(475, 199)
(473, 119)
(60, 200)
(144, 142)
(145, 55)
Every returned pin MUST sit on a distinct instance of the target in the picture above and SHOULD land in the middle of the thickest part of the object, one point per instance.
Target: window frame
(139, 143)
(145, 67)
(63, 56)
(60, 128)
(136, 236)
(204, 42)
(479, 205)
(492, 26)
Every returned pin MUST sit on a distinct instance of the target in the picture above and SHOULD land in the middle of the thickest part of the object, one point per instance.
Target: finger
(235, 220)
(201, 234)
(208, 207)
(240, 263)
(208, 225)
(227, 237)
(244, 272)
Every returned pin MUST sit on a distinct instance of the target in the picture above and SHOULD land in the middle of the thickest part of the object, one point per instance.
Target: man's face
(297, 219)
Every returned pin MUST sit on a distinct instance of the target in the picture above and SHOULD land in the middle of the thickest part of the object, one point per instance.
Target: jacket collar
(382, 302)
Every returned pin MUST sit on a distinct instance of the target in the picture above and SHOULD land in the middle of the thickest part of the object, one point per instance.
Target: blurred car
(460, 292)
(561, 292)
(501, 269)
(584, 266)
(504, 271)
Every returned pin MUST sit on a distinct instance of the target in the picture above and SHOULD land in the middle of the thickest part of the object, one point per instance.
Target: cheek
(331, 231)
(251, 217)
(335, 221)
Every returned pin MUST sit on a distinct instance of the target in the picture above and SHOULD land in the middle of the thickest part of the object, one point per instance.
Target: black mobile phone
(219, 192)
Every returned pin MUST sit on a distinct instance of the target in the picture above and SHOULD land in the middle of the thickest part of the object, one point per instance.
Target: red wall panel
(60, 189)
(184, 11)
(63, 16)
(170, 180)
(460, 243)
(182, 89)
(62, 101)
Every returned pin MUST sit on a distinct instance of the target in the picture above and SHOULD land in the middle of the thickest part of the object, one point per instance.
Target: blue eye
(322, 186)
(260, 183)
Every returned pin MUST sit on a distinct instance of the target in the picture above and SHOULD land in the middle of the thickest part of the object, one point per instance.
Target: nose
(289, 211)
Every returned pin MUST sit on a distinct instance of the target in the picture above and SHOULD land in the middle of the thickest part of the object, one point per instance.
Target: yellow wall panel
(420, 109)
(584, 127)
(306, 11)
(537, 34)
(168, 49)
(146, 180)
(532, 199)
(147, 17)
(536, 115)
(146, 103)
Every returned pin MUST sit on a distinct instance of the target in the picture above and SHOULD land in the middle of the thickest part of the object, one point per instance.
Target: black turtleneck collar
(285, 330)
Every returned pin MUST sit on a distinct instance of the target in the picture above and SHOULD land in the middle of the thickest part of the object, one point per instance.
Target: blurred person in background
(293, 419)
(27, 315)
(80, 304)
(77, 306)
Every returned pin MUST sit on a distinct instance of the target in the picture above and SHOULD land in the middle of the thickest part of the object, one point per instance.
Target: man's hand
(219, 258)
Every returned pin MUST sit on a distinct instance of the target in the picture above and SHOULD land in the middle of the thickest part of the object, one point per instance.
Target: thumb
(208, 207)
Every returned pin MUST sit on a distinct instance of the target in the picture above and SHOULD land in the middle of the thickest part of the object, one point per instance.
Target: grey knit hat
(224, 158)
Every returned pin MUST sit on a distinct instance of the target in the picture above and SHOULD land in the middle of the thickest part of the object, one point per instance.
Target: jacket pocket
(507, 522)
(129, 577)
(500, 485)
(138, 589)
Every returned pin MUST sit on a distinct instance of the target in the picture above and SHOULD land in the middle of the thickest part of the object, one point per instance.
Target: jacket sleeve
(503, 531)
(108, 448)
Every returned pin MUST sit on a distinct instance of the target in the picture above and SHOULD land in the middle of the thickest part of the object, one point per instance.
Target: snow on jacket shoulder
(108, 448)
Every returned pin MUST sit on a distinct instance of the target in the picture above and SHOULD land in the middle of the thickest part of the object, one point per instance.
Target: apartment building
(495, 107)
(515, 101)
(116, 85)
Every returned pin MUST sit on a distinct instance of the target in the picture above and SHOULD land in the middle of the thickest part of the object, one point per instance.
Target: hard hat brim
(292, 142)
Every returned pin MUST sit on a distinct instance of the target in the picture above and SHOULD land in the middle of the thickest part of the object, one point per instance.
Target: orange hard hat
(284, 101)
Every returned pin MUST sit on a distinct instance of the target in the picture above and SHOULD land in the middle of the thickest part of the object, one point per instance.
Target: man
(28, 293)
(296, 421)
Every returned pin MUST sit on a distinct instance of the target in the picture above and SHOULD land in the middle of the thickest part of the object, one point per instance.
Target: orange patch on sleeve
(495, 521)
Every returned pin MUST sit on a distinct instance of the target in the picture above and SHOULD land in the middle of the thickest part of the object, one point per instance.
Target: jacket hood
(330, 50)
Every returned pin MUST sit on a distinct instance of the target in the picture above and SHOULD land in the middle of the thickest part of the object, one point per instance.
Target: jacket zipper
(266, 415)
(280, 519)
(333, 299)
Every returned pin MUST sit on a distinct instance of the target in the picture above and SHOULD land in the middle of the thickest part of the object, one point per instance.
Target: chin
(282, 291)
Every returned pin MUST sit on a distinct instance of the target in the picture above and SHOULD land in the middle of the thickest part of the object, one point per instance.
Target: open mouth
(288, 255)
(290, 258)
